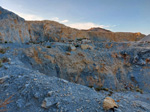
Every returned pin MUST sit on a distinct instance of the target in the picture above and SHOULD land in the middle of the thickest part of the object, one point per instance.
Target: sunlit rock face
(15, 29)
(53, 31)
(12, 27)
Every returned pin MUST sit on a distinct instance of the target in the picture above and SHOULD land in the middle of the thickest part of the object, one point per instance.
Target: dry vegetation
(3, 104)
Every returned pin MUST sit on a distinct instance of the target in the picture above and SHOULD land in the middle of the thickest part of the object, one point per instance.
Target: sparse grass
(3, 104)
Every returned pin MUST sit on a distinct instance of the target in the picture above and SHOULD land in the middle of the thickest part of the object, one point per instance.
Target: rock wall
(107, 65)
(52, 31)
(15, 29)
(12, 27)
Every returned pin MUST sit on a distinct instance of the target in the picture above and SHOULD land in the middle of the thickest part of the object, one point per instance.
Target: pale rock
(109, 103)
(48, 102)
(86, 46)
(72, 48)
(2, 79)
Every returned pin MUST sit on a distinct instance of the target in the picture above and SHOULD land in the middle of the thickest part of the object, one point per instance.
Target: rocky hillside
(97, 29)
(145, 39)
(49, 67)
(16, 29)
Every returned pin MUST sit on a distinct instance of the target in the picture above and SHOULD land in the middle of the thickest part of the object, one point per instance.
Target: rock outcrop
(15, 29)
(12, 27)
(145, 39)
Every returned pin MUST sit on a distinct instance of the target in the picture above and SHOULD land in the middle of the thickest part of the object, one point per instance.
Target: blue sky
(116, 15)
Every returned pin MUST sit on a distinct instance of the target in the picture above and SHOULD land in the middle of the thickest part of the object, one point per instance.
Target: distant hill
(98, 29)
(15, 29)
(146, 38)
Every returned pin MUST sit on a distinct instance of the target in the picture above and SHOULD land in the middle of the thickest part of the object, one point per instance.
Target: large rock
(49, 101)
(72, 48)
(109, 103)
(86, 46)
(12, 27)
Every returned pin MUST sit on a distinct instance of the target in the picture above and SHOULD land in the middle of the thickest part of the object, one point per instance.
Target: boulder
(86, 46)
(48, 102)
(72, 48)
(109, 103)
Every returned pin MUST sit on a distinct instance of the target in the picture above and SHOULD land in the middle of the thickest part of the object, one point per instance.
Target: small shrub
(110, 93)
(77, 46)
(97, 89)
(139, 90)
(4, 60)
(80, 39)
(105, 89)
(49, 47)
(6, 42)
(90, 86)
(3, 50)
(1, 64)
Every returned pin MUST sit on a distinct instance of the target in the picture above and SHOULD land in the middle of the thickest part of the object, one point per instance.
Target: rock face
(12, 27)
(145, 39)
(52, 31)
(15, 29)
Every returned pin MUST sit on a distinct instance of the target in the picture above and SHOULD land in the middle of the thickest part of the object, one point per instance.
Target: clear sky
(116, 15)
